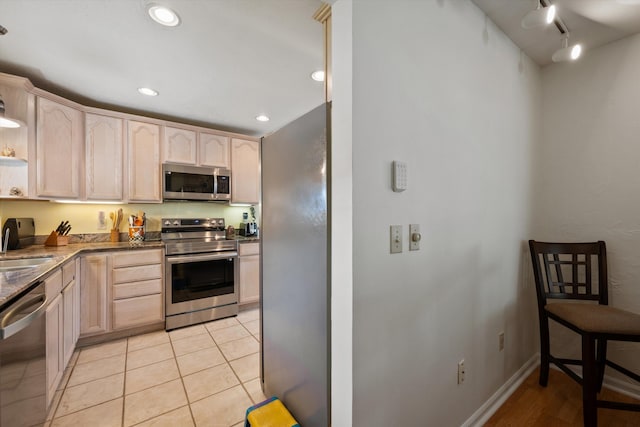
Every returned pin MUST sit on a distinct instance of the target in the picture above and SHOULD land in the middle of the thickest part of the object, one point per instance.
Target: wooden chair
(567, 271)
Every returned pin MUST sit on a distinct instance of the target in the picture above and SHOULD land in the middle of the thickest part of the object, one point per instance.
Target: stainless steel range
(201, 271)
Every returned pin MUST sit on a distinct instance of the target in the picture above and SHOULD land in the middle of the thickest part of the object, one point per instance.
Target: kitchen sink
(22, 263)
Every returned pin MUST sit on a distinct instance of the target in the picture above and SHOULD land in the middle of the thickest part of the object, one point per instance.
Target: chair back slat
(568, 271)
(556, 260)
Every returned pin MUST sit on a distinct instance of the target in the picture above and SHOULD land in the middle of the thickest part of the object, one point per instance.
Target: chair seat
(596, 318)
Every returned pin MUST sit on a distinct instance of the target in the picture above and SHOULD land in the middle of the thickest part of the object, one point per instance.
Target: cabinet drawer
(137, 311)
(137, 289)
(137, 257)
(53, 285)
(68, 273)
(136, 274)
(249, 249)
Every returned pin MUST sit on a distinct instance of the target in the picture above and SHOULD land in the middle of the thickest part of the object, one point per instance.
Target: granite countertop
(12, 283)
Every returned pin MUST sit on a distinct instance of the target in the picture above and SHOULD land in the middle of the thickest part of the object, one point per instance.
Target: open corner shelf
(10, 160)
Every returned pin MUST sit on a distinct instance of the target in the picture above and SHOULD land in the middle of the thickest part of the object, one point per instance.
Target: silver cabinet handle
(8, 329)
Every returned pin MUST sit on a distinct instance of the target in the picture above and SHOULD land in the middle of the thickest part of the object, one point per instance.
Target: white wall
(341, 219)
(588, 168)
(438, 86)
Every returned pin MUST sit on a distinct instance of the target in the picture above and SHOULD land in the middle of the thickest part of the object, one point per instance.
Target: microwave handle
(215, 183)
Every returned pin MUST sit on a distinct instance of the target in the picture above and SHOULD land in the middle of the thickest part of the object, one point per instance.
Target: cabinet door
(94, 297)
(70, 306)
(131, 312)
(53, 346)
(59, 141)
(214, 150)
(245, 171)
(249, 279)
(103, 159)
(76, 308)
(179, 146)
(143, 162)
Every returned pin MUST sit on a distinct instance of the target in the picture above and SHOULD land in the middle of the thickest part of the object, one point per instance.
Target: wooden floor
(557, 405)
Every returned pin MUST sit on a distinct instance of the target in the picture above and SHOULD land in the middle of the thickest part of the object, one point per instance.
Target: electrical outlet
(102, 220)
(396, 239)
(461, 371)
(501, 341)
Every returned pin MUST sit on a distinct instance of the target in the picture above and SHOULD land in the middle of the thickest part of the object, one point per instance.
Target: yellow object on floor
(270, 413)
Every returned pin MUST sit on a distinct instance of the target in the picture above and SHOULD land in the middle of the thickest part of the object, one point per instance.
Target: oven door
(196, 282)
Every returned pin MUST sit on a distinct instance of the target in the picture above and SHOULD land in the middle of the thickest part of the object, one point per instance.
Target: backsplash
(84, 217)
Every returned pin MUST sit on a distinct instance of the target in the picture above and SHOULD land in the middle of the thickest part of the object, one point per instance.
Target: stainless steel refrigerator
(295, 269)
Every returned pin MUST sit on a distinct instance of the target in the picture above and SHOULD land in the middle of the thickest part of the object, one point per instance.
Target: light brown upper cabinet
(143, 164)
(213, 150)
(179, 146)
(103, 157)
(245, 171)
(59, 142)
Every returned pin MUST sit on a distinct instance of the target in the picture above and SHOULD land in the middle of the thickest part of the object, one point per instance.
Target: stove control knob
(176, 223)
(213, 222)
(167, 222)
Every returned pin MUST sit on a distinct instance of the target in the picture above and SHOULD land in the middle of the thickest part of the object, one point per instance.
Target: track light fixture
(539, 17)
(566, 52)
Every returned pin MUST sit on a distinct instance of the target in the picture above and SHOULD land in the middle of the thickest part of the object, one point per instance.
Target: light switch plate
(396, 239)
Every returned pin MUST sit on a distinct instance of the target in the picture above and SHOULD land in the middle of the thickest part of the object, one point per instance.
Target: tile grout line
(124, 382)
(184, 388)
(64, 389)
(231, 367)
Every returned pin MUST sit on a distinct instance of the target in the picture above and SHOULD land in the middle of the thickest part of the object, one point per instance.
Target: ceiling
(592, 23)
(226, 63)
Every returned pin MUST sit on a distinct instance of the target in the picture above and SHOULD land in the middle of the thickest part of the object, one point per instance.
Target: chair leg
(601, 358)
(589, 381)
(544, 351)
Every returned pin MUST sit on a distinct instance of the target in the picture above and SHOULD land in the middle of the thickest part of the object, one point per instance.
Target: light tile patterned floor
(203, 375)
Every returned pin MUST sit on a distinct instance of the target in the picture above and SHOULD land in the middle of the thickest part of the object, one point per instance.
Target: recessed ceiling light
(318, 76)
(262, 118)
(147, 91)
(163, 15)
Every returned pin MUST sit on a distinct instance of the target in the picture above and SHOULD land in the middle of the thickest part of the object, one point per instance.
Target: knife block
(55, 239)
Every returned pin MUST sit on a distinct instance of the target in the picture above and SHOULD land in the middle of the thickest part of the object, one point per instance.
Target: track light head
(566, 52)
(539, 17)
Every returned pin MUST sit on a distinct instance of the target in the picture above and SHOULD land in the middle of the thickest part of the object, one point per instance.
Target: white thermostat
(399, 176)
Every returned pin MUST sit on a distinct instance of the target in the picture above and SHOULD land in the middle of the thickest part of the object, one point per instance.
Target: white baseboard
(494, 403)
(502, 394)
(621, 386)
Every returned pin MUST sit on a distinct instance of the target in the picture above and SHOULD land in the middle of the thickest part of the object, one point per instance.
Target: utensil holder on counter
(55, 239)
(136, 234)
(115, 236)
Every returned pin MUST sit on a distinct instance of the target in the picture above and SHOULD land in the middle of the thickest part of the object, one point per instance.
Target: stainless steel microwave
(182, 182)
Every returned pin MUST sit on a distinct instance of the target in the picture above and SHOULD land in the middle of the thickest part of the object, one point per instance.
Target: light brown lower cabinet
(94, 294)
(137, 311)
(121, 290)
(249, 258)
(62, 323)
(54, 356)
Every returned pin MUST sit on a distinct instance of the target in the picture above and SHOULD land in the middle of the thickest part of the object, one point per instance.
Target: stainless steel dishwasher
(23, 377)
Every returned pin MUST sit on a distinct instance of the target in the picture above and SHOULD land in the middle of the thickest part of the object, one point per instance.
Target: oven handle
(181, 259)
